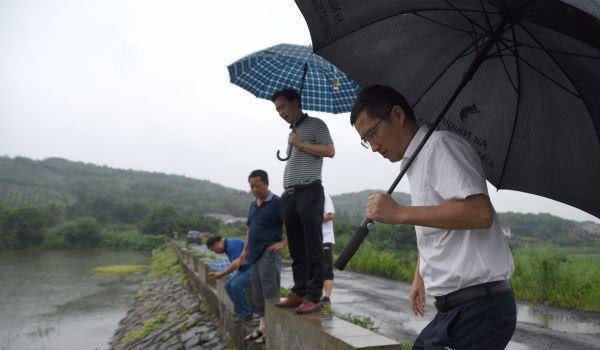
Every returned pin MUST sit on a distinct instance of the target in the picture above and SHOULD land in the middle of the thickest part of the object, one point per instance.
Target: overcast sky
(143, 85)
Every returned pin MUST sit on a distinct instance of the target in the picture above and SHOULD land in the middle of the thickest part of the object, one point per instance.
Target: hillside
(350, 207)
(117, 195)
(63, 183)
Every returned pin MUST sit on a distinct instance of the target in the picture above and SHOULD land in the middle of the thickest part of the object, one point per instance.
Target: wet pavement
(387, 303)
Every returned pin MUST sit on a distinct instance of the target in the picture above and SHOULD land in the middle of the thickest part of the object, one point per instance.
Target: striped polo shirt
(303, 168)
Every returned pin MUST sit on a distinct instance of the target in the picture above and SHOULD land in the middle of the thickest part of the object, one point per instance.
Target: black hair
(259, 173)
(211, 241)
(289, 94)
(378, 101)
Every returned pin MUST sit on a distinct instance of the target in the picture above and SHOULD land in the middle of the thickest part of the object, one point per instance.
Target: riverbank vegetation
(33, 227)
(543, 273)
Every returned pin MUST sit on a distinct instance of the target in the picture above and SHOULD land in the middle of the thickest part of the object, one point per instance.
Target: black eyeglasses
(367, 138)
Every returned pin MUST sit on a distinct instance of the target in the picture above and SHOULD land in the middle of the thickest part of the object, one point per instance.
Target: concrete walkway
(387, 303)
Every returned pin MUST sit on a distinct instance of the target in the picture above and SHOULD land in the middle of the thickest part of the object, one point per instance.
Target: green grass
(114, 238)
(543, 274)
(147, 328)
(360, 320)
(165, 263)
(120, 270)
(547, 275)
(385, 264)
(327, 310)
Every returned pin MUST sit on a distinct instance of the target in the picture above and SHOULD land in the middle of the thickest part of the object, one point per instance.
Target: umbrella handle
(289, 152)
(289, 149)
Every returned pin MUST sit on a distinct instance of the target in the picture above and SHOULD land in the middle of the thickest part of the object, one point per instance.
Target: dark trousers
(485, 323)
(304, 227)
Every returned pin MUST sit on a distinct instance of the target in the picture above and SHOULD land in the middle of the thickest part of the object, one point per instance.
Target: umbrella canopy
(518, 79)
(322, 86)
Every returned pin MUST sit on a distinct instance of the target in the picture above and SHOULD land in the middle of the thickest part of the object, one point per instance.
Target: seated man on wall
(236, 287)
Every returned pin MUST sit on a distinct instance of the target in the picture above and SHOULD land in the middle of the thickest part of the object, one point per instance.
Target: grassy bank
(543, 274)
(547, 275)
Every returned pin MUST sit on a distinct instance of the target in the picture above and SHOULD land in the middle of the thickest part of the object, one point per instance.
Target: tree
(25, 226)
(81, 232)
(162, 221)
(199, 223)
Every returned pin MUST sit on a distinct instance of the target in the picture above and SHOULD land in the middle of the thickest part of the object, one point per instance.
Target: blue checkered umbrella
(322, 86)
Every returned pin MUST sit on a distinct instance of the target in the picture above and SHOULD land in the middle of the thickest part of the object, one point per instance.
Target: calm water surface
(51, 300)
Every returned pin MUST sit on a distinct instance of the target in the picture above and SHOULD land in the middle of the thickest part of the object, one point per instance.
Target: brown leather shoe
(292, 300)
(308, 307)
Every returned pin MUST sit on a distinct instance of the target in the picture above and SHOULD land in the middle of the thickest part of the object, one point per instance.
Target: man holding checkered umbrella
(295, 79)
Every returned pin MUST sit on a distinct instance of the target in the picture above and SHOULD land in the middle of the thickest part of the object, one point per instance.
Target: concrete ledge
(285, 329)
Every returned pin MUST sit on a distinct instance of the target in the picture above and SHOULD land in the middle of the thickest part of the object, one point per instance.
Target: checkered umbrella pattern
(322, 86)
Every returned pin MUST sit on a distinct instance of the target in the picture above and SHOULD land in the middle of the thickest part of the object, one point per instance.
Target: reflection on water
(50, 300)
(556, 320)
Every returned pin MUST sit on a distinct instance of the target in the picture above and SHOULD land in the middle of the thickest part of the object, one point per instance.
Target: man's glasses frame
(367, 138)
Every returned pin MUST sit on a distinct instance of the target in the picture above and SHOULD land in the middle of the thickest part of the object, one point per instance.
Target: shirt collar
(412, 146)
(268, 199)
(299, 121)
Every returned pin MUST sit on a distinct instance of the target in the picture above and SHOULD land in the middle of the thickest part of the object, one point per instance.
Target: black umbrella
(520, 80)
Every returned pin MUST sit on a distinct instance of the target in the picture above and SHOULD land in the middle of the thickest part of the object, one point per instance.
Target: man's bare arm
(473, 212)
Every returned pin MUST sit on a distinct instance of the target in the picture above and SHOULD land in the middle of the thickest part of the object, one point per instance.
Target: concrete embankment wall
(285, 329)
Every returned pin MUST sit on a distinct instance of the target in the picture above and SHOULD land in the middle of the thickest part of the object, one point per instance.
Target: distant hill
(60, 182)
(350, 207)
(524, 228)
(547, 228)
(125, 195)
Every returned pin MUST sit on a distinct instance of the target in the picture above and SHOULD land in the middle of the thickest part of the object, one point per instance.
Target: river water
(52, 300)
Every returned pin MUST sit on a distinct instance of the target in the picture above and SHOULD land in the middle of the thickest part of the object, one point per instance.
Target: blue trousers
(236, 288)
(486, 323)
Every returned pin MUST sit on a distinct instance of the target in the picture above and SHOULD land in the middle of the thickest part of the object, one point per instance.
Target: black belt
(293, 189)
(462, 296)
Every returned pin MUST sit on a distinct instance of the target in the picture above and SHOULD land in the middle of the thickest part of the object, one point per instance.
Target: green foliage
(115, 208)
(545, 274)
(119, 270)
(327, 310)
(283, 293)
(83, 232)
(385, 264)
(199, 223)
(22, 227)
(130, 240)
(360, 320)
(159, 221)
(165, 263)
(144, 330)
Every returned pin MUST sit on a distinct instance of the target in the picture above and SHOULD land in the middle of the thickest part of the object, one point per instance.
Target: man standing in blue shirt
(263, 244)
(236, 287)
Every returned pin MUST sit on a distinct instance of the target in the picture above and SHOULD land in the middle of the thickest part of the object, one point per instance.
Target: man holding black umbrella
(464, 259)
(304, 200)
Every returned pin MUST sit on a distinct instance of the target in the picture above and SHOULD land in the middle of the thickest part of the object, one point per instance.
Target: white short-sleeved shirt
(328, 225)
(447, 168)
